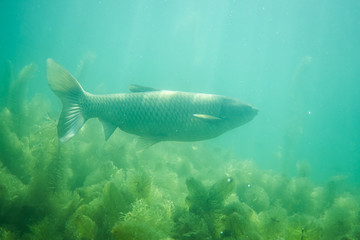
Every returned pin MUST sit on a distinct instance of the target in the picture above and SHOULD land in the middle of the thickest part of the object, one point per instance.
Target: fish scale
(151, 113)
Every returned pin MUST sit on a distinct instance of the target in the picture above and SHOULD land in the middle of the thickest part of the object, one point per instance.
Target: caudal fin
(68, 89)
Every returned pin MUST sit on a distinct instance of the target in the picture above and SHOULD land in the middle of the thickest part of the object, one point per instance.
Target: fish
(152, 114)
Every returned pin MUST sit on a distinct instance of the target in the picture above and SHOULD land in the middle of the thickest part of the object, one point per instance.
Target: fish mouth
(255, 110)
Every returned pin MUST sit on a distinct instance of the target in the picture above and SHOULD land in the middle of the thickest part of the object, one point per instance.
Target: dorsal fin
(138, 88)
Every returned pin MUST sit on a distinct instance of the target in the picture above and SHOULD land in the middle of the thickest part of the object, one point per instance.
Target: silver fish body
(154, 115)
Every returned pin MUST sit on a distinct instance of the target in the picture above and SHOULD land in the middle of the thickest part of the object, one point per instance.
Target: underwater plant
(89, 188)
(16, 98)
(303, 169)
(6, 78)
(256, 198)
(302, 226)
(341, 218)
(202, 200)
(145, 222)
(273, 222)
(239, 221)
(300, 196)
(206, 204)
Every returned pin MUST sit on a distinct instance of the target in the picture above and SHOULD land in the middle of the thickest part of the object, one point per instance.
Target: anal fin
(144, 143)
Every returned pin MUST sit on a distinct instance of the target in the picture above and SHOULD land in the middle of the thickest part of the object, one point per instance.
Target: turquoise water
(297, 162)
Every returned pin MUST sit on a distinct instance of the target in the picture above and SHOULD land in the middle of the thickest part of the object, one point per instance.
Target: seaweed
(140, 183)
(257, 198)
(301, 226)
(300, 196)
(208, 203)
(303, 169)
(198, 197)
(16, 99)
(145, 222)
(189, 226)
(88, 188)
(202, 200)
(238, 221)
(341, 218)
(82, 227)
(273, 222)
(6, 79)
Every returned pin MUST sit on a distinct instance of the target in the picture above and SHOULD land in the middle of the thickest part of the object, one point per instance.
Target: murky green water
(291, 173)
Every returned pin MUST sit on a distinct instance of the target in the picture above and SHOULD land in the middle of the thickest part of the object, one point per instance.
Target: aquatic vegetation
(240, 221)
(303, 169)
(340, 219)
(139, 183)
(6, 78)
(89, 188)
(145, 221)
(273, 222)
(16, 96)
(300, 196)
(256, 198)
(304, 226)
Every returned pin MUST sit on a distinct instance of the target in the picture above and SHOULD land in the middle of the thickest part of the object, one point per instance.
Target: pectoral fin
(109, 128)
(207, 117)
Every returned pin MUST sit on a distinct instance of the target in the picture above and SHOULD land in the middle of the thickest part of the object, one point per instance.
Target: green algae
(92, 189)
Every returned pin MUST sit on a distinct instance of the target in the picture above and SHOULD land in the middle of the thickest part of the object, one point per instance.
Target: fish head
(236, 112)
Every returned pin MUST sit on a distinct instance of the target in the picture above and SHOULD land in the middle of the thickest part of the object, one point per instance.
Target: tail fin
(68, 89)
